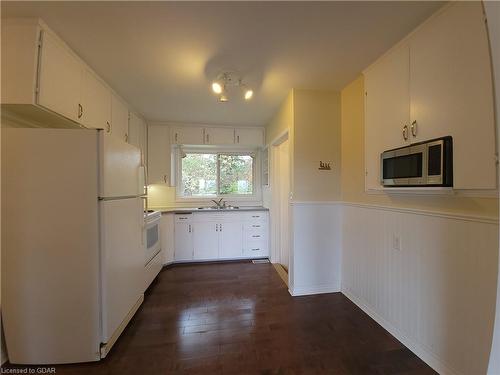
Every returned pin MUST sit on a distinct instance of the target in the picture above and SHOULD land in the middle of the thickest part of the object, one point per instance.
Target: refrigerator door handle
(144, 217)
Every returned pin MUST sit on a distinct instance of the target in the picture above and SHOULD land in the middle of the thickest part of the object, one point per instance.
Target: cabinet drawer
(255, 216)
(256, 249)
(183, 218)
(255, 235)
(256, 226)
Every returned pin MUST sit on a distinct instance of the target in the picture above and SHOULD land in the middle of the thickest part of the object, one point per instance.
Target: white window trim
(256, 197)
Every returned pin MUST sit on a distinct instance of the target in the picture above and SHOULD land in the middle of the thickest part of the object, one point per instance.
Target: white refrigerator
(72, 243)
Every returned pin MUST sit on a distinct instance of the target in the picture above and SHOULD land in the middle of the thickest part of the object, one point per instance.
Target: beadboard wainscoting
(315, 255)
(428, 278)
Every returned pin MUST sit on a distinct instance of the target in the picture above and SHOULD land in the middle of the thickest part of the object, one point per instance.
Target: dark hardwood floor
(238, 318)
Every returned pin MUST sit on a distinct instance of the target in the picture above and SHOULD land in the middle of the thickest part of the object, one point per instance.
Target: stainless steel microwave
(428, 163)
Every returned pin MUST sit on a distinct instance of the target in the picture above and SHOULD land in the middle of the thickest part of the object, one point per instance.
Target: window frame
(255, 153)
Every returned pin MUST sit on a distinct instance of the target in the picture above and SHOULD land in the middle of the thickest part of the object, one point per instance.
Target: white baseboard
(418, 349)
(313, 289)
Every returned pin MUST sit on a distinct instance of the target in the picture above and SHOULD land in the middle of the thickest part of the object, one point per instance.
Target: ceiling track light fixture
(227, 80)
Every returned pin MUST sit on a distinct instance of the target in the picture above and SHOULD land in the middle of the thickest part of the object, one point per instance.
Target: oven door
(405, 166)
(153, 245)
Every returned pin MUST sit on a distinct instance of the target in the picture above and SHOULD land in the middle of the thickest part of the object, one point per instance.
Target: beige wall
(282, 120)
(352, 181)
(316, 119)
(161, 196)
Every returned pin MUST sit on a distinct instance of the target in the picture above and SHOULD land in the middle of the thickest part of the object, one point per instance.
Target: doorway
(280, 214)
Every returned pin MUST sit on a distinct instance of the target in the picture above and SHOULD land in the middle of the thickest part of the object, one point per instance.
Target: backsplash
(163, 196)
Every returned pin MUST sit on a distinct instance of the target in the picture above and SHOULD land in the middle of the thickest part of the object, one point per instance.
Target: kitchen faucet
(219, 203)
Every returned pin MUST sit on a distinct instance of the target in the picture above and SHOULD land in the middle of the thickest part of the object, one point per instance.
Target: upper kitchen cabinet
(119, 119)
(95, 106)
(159, 155)
(451, 91)
(387, 109)
(138, 134)
(188, 135)
(427, 87)
(41, 78)
(219, 136)
(45, 84)
(60, 78)
(249, 136)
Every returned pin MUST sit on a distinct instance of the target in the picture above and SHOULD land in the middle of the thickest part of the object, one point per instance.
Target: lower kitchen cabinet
(206, 240)
(183, 238)
(220, 235)
(231, 239)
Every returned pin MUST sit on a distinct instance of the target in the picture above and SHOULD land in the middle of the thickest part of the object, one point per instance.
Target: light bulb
(248, 94)
(216, 87)
(223, 98)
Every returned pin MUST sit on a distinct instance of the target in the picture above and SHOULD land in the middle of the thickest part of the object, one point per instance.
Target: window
(204, 174)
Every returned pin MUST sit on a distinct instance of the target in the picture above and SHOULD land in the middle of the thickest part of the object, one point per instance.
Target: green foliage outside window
(200, 177)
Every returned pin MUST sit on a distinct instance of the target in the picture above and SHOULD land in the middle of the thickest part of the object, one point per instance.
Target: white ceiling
(161, 56)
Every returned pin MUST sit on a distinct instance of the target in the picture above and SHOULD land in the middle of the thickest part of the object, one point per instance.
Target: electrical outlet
(396, 242)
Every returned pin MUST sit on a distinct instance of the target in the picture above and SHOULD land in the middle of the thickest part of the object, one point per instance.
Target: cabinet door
(95, 102)
(187, 135)
(119, 119)
(183, 241)
(231, 243)
(451, 91)
(249, 136)
(60, 76)
(158, 154)
(386, 110)
(137, 134)
(219, 136)
(206, 240)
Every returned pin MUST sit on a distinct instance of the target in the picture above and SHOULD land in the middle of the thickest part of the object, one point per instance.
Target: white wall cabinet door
(451, 91)
(119, 119)
(219, 136)
(231, 239)
(159, 154)
(95, 102)
(206, 240)
(137, 134)
(187, 135)
(249, 136)
(183, 241)
(387, 109)
(60, 76)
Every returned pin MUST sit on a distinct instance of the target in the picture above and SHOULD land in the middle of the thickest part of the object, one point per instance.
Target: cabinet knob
(208, 138)
(165, 178)
(405, 132)
(108, 127)
(80, 110)
(126, 138)
(414, 128)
